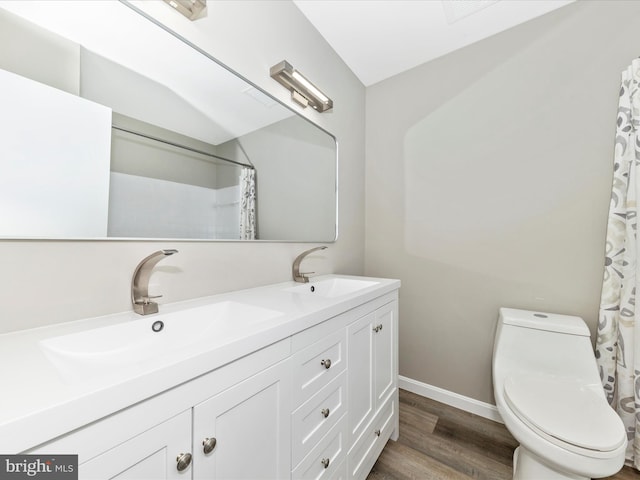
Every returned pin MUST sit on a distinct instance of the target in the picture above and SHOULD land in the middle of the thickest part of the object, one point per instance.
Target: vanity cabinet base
(320, 404)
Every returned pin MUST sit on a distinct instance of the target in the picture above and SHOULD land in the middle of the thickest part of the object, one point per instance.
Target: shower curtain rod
(173, 144)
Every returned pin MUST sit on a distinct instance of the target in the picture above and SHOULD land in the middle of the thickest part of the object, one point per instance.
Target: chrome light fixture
(302, 90)
(192, 9)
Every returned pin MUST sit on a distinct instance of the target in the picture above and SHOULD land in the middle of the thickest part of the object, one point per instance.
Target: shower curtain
(618, 336)
(247, 204)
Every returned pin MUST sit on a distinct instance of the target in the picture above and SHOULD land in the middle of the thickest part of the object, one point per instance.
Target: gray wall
(45, 282)
(488, 181)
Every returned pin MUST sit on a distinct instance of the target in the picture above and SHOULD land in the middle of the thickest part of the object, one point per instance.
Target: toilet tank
(546, 343)
(550, 322)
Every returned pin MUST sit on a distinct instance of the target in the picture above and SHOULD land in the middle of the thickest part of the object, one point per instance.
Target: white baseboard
(453, 399)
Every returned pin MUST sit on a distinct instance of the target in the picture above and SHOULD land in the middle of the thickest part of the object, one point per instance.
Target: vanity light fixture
(192, 9)
(302, 90)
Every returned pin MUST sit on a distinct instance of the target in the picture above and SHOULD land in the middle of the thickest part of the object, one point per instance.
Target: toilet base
(528, 466)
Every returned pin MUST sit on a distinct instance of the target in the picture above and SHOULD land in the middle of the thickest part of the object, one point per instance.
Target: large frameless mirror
(113, 127)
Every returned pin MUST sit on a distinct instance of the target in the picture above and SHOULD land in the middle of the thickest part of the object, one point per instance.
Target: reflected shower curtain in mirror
(618, 341)
(248, 204)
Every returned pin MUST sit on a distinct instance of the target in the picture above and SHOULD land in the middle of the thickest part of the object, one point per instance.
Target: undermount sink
(331, 287)
(158, 337)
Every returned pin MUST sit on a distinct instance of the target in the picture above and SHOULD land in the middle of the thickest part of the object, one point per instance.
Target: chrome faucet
(140, 298)
(297, 275)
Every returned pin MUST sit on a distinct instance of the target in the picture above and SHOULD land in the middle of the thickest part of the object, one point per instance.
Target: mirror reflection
(115, 128)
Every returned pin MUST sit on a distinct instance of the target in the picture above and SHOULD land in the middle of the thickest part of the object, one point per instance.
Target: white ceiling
(381, 38)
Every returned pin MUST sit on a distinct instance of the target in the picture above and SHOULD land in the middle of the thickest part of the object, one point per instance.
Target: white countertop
(40, 402)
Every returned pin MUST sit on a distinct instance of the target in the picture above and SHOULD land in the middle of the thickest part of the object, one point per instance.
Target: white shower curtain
(618, 338)
(247, 204)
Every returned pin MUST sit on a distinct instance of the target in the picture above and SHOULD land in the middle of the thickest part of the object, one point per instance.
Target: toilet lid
(565, 409)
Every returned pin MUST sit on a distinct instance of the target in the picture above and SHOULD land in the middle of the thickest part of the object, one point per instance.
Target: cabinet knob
(325, 412)
(377, 432)
(326, 363)
(209, 444)
(184, 460)
(325, 462)
(377, 328)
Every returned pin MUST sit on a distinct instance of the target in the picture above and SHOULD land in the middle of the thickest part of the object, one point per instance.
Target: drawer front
(313, 420)
(326, 460)
(365, 452)
(317, 365)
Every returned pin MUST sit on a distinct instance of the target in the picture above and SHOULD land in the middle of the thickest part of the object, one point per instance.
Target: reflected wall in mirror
(113, 127)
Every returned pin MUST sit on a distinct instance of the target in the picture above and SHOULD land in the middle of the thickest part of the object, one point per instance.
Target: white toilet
(548, 392)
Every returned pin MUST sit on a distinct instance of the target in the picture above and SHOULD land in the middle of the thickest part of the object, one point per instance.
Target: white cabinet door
(372, 382)
(360, 374)
(152, 455)
(250, 423)
(384, 336)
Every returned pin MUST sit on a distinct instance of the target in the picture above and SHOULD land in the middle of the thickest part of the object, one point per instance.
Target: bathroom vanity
(284, 381)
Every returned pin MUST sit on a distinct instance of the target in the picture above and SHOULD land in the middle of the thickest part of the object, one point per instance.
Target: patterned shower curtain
(618, 337)
(247, 204)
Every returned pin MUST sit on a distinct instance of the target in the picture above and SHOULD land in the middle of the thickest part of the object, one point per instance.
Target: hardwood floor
(439, 442)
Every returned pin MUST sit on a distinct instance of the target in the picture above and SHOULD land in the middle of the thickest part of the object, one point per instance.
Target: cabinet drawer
(313, 420)
(326, 460)
(317, 365)
(366, 450)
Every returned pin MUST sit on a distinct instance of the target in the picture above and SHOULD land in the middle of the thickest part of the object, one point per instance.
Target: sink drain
(157, 326)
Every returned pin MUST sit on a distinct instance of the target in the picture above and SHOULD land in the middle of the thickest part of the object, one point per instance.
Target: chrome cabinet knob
(184, 460)
(325, 462)
(377, 432)
(377, 328)
(209, 444)
(326, 363)
(325, 412)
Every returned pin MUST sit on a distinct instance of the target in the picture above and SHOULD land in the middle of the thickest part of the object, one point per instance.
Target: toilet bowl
(548, 392)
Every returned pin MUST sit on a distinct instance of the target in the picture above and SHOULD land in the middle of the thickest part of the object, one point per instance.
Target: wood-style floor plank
(404, 463)
(439, 442)
(627, 473)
